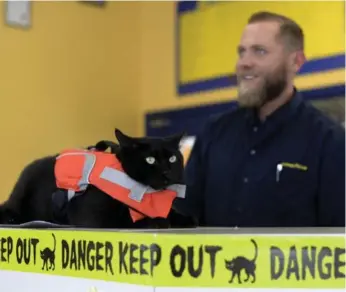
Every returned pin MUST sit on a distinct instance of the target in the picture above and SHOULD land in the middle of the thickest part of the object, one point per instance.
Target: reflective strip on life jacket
(90, 160)
(137, 190)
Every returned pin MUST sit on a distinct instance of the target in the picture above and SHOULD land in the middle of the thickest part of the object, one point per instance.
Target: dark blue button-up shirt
(288, 171)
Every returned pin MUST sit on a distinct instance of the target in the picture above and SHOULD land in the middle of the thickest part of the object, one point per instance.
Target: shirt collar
(279, 115)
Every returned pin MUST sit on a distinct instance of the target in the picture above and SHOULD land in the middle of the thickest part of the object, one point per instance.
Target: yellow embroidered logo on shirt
(294, 165)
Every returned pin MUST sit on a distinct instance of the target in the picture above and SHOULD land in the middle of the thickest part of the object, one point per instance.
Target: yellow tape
(166, 260)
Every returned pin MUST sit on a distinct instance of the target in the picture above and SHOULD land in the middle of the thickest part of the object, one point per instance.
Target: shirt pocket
(293, 187)
(289, 176)
(285, 183)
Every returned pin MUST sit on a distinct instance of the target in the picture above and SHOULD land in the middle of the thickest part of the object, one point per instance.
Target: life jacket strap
(137, 190)
(70, 194)
(103, 145)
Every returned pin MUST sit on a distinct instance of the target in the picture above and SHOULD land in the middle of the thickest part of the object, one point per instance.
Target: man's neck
(270, 107)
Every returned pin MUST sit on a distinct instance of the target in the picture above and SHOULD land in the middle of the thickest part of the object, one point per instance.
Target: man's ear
(124, 140)
(299, 61)
(175, 139)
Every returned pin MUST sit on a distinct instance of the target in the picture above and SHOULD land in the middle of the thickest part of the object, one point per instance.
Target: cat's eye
(173, 159)
(150, 160)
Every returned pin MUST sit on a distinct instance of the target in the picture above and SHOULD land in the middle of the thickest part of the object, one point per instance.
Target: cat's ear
(124, 140)
(175, 139)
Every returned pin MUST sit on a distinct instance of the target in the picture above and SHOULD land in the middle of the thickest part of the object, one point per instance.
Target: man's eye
(240, 52)
(261, 51)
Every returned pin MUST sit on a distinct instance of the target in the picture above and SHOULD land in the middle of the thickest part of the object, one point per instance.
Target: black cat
(154, 162)
(48, 255)
(236, 265)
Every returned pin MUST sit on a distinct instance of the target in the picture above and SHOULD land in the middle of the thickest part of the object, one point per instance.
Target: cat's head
(229, 264)
(155, 162)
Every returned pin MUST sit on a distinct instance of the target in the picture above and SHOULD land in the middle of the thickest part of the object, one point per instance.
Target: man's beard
(268, 90)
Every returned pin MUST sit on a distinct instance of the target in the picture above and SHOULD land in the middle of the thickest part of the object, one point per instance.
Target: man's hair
(290, 31)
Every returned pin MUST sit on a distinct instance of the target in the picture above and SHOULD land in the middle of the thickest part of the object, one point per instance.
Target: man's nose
(246, 61)
(245, 64)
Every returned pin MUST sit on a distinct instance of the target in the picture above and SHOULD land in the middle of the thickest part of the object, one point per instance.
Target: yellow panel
(209, 35)
(324, 79)
(66, 82)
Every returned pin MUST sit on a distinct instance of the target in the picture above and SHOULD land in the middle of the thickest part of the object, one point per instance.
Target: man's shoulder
(225, 119)
(315, 118)
(219, 125)
(322, 127)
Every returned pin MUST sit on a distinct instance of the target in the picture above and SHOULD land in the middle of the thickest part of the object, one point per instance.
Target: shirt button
(245, 180)
(255, 129)
(253, 152)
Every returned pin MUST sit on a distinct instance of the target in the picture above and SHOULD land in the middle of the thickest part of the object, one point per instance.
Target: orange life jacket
(75, 169)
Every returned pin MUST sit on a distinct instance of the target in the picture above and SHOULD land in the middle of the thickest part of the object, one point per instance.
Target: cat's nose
(166, 175)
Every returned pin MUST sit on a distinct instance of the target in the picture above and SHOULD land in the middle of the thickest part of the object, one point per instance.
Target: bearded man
(275, 161)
